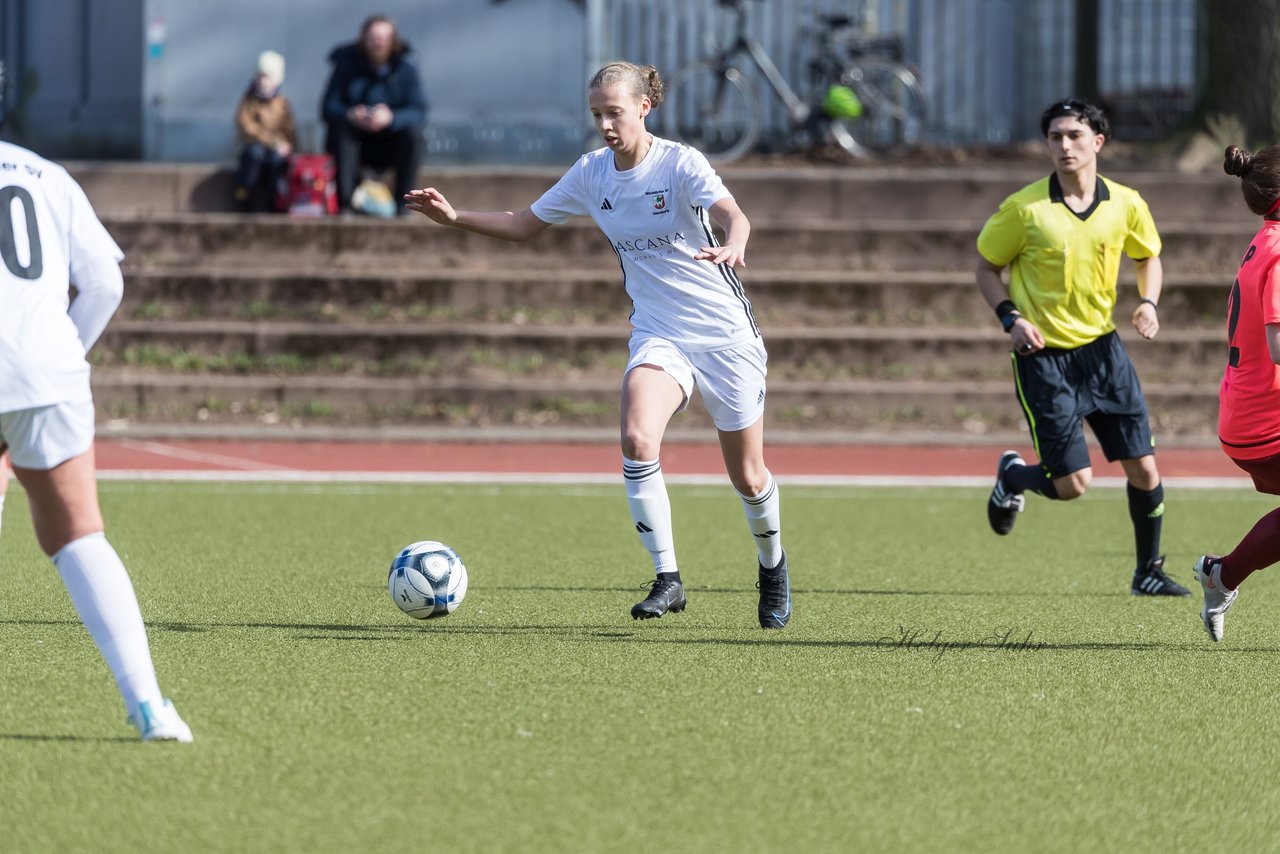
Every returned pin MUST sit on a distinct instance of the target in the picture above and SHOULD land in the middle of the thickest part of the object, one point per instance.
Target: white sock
(651, 511)
(765, 521)
(2, 510)
(103, 596)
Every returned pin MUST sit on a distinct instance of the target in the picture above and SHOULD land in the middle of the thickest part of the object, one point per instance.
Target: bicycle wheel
(713, 109)
(893, 108)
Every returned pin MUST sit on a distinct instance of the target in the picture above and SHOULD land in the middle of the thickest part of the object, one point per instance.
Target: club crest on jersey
(659, 200)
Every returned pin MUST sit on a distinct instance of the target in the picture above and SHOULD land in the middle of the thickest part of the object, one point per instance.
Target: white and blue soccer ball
(427, 580)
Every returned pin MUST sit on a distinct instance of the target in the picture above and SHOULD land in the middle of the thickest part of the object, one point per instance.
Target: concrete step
(894, 194)
(452, 349)
(362, 245)
(977, 407)
(840, 192)
(861, 277)
(817, 297)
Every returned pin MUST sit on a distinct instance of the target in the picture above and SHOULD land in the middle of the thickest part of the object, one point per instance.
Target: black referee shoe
(664, 595)
(1152, 581)
(775, 595)
(1004, 506)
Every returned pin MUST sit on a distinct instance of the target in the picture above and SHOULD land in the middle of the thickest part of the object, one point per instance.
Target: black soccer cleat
(1152, 581)
(1004, 506)
(775, 595)
(664, 595)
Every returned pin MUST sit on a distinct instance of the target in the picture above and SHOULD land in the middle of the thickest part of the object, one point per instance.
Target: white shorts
(48, 436)
(731, 382)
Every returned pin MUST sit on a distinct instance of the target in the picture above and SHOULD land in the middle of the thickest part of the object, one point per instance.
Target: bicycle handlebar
(842, 36)
(836, 22)
(831, 23)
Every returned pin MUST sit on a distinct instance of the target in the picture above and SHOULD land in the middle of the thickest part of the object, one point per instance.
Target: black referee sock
(1030, 479)
(1146, 509)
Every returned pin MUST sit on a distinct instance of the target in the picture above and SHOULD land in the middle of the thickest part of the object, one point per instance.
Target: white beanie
(271, 66)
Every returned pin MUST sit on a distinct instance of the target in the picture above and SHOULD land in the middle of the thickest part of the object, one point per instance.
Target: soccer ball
(427, 580)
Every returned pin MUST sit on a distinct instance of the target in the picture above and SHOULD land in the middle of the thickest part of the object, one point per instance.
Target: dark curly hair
(1259, 176)
(1083, 110)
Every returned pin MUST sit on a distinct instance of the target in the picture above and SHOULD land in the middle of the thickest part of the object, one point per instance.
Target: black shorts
(1061, 389)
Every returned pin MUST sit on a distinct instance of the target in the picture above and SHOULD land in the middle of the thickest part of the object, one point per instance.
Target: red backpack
(311, 188)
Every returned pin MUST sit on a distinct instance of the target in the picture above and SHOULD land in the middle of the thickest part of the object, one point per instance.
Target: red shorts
(1265, 473)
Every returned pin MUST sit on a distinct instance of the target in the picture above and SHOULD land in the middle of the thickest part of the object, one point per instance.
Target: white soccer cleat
(1217, 599)
(159, 723)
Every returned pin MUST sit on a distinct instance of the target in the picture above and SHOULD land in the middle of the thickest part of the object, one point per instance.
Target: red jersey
(1249, 415)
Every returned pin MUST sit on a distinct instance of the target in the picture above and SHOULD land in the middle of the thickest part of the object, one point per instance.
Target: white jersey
(48, 233)
(655, 215)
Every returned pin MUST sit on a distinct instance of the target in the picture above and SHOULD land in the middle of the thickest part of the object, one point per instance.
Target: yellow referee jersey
(1063, 265)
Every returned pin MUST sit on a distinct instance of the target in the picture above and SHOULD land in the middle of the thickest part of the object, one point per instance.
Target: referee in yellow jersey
(1061, 239)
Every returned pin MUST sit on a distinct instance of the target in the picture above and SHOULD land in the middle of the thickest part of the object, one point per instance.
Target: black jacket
(354, 82)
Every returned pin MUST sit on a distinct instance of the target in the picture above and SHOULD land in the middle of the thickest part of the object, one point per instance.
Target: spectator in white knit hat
(268, 135)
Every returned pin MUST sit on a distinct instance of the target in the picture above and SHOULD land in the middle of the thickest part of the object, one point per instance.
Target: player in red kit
(1249, 412)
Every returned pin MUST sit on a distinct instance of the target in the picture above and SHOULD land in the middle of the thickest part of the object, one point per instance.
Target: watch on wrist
(1007, 320)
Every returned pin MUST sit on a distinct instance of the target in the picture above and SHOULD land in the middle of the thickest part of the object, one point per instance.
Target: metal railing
(988, 66)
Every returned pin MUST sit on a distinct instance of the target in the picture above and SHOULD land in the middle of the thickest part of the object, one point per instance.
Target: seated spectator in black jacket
(374, 109)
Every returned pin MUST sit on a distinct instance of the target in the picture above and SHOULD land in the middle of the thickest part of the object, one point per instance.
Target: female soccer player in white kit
(692, 323)
(50, 238)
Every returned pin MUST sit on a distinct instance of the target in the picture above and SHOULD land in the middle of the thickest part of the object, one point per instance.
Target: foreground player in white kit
(50, 238)
(692, 325)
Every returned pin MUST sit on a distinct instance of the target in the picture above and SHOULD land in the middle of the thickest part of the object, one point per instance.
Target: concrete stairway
(862, 281)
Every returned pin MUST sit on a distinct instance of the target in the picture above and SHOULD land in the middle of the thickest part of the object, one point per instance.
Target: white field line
(162, 450)
(284, 475)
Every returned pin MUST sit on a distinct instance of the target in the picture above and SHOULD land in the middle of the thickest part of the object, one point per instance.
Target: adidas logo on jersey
(605, 206)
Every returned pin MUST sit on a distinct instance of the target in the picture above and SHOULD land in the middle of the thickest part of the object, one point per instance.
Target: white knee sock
(651, 511)
(103, 596)
(765, 521)
(1, 510)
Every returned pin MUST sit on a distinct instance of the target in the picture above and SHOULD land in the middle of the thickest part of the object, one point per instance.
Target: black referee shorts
(1061, 389)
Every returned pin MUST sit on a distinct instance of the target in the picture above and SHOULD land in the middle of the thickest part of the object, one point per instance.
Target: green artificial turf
(939, 689)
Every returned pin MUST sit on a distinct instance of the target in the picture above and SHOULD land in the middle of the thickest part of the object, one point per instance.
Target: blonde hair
(642, 81)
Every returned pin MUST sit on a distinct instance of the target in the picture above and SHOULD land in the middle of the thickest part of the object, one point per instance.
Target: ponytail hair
(1259, 176)
(640, 81)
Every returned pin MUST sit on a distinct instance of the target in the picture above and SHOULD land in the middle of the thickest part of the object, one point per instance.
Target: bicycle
(865, 98)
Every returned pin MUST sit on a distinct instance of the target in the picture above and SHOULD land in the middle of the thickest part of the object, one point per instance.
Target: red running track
(282, 457)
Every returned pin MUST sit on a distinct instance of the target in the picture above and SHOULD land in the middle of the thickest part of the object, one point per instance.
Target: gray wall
(159, 79)
(504, 80)
(73, 75)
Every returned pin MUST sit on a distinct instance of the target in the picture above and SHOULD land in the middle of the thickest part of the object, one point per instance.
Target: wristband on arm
(1008, 314)
(1148, 301)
